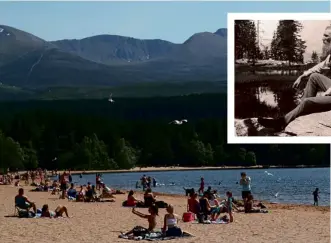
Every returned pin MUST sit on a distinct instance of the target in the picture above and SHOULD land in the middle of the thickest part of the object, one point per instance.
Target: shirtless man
(316, 82)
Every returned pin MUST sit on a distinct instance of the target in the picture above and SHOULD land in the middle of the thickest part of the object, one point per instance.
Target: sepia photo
(282, 84)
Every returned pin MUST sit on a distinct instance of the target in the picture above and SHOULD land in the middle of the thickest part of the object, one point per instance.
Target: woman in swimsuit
(141, 231)
(170, 227)
(59, 211)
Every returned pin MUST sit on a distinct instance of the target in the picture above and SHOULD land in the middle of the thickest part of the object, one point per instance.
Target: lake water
(265, 99)
(293, 185)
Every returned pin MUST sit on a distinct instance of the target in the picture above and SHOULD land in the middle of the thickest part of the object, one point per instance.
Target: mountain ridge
(28, 61)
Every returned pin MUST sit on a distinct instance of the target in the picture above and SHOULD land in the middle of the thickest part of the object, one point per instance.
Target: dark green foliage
(94, 134)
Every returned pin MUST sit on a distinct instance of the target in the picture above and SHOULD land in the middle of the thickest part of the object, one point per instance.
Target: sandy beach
(103, 222)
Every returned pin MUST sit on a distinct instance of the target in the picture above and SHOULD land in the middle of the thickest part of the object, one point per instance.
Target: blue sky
(172, 21)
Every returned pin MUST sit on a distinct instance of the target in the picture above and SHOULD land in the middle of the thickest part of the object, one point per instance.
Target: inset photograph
(279, 76)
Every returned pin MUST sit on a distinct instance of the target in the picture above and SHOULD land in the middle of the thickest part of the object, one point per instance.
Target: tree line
(286, 43)
(95, 134)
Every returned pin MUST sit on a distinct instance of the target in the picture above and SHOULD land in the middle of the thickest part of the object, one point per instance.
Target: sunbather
(205, 207)
(141, 231)
(72, 193)
(193, 205)
(23, 202)
(170, 226)
(132, 201)
(59, 211)
(149, 198)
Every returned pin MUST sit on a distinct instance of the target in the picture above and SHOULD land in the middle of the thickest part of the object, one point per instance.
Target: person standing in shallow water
(316, 197)
(310, 103)
(202, 186)
(245, 182)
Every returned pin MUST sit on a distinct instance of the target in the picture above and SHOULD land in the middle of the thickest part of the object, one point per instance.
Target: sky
(172, 21)
(312, 33)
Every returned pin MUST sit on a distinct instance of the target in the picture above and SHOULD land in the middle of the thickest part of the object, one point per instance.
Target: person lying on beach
(170, 227)
(58, 212)
(141, 231)
(193, 205)
(23, 202)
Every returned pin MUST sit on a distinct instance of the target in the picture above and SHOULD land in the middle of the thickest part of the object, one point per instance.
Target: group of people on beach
(23, 206)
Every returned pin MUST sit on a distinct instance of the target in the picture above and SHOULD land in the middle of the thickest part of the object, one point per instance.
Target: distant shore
(175, 168)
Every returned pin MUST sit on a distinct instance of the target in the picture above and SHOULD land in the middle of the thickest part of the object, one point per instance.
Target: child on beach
(316, 197)
(141, 231)
(229, 204)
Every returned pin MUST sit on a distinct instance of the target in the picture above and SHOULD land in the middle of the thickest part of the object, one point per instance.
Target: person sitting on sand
(205, 207)
(81, 195)
(141, 231)
(132, 201)
(45, 212)
(216, 210)
(193, 205)
(23, 202)
(106, 191)
(170, 227)
(91, 194)
(72, 193)
(149, 198)
(249, 206)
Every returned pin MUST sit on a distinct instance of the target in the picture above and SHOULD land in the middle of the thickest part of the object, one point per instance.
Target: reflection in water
(264, 99)
(265, 95)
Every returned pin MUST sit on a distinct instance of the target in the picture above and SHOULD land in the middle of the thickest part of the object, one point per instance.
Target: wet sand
(103, 222)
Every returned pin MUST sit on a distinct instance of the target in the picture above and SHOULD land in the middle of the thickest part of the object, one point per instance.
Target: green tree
(11, 153)
(250, 159)
(125, 156)
(30, 159)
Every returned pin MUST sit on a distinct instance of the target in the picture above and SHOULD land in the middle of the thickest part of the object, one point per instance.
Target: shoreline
(165, 169)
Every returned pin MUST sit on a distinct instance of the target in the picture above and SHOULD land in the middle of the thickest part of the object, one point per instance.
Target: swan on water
(269, 174)
(176, 122)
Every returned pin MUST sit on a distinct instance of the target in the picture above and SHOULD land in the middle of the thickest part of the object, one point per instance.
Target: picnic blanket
(157, 236)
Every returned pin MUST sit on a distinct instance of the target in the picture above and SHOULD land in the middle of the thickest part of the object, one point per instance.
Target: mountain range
(29, 62)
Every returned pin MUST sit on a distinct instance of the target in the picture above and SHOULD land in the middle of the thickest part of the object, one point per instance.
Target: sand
(103, 222)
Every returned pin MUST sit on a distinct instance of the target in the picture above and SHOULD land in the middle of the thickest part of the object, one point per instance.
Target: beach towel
(218, 221)
(156, 236)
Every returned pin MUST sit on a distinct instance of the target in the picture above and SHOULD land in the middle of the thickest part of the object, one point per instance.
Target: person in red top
(202, 185)
(193, 205)
(132, 201)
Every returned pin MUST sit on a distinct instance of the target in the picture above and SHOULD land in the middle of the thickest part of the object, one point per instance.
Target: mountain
(29, 62)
